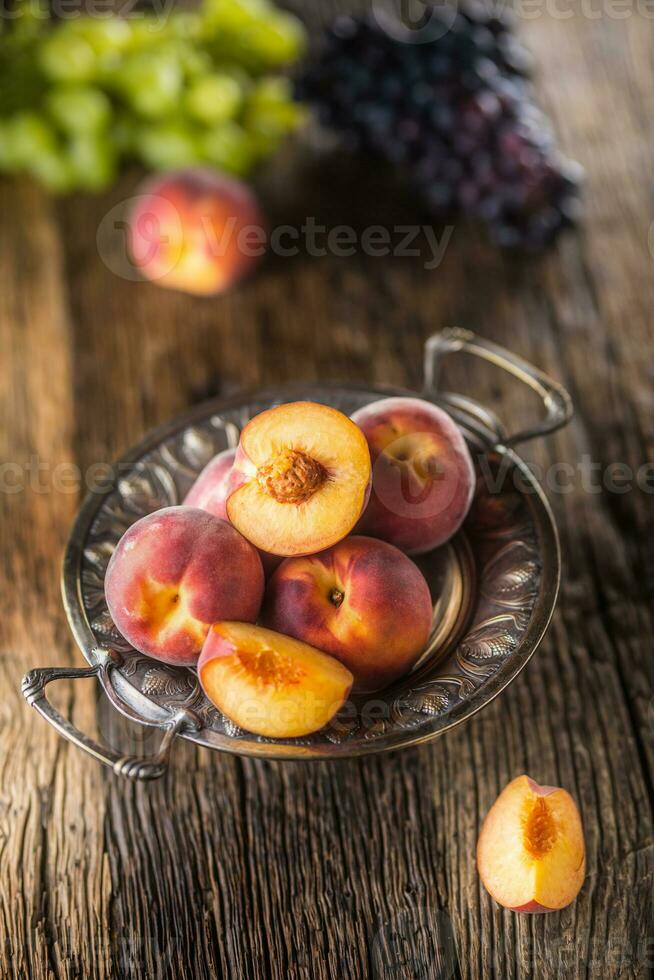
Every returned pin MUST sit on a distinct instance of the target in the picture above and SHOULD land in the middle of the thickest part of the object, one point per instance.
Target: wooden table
(243, 869)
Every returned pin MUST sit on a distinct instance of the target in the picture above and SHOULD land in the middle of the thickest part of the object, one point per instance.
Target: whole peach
(196, 230)
(173, 574)
(209, 492)
(362, 601)
(423, 478)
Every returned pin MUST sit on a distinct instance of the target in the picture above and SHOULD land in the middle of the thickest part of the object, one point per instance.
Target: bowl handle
(133, 767)
(558, 405)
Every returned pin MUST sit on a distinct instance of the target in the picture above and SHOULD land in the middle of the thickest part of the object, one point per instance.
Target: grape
(79, 109)
(275, 42)
(456, 113)
(107, 36)
(66, 57)
(80, 95)
(27, 136)
(184, 24)
(214, 98)
(233, 15)
(194, 61)
(93, 160)
(166, 145)
(152, 83)
(54, 170)
(29, 18)
(145, 33)
(229, 147)
(271, 111)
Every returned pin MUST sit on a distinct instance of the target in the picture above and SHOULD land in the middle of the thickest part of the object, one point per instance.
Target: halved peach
(270, 684)
(301, 479)
(531, 854)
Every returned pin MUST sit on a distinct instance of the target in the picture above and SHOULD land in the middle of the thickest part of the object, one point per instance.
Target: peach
(301, 479)
(195, 230)
(271, 684)
(423, 478)
(531, 855)
(173, 574)
(362, 601)
(209, 492)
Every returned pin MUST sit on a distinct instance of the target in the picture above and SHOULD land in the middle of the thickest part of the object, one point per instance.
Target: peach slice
(531, 854)
(301, 479)
(270, 684)
(173, 574)
(362, 601)
(423, 476)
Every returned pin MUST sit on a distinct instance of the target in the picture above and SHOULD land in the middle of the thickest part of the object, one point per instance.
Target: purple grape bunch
(456, 114)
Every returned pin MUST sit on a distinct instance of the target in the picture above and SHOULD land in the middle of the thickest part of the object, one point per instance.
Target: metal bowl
(494, 585)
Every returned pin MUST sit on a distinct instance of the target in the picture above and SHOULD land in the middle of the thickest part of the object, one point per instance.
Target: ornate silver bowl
(494, 586)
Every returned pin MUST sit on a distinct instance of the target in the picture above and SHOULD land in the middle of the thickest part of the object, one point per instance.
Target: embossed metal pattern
(503, 571)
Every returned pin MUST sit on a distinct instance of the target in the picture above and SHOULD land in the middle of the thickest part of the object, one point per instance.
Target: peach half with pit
(271, 684)
(423, 478)
(173, 574)
(531, 854)
(363, 601)
(196, 230)
(300, 480)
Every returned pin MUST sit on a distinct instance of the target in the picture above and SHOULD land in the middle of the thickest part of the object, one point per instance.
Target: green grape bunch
(81, 96)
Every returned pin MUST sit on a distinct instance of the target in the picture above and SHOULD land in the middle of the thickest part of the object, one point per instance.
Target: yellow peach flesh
(302, 479)
(271, 684)
(165, 611)
(531, 854)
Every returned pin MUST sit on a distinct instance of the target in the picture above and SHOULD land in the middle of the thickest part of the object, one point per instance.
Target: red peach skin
(423, 478)
(173, 574)
(209, 492)
(531, 854)
(186, 229)
(362, 601)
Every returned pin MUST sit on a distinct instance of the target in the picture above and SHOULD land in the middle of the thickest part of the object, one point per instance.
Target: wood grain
(232, 868)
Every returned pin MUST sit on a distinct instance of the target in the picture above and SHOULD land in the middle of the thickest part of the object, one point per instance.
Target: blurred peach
(196, 230)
